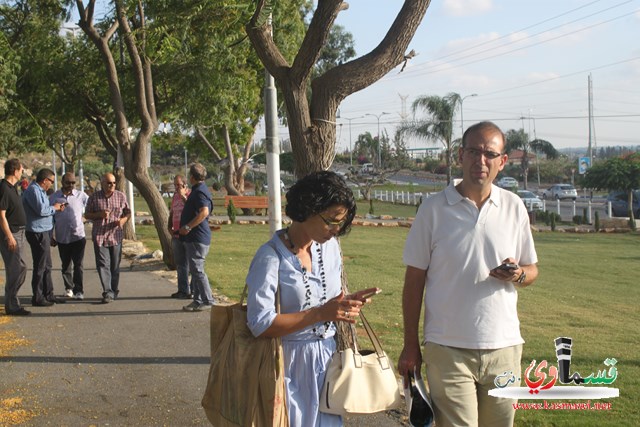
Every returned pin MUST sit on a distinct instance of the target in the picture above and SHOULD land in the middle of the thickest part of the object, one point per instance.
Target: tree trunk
(136, 171)
(121, 182)
(134, 152)
(312, 126)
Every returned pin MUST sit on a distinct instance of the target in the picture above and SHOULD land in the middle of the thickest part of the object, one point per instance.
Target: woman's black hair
(317, 192)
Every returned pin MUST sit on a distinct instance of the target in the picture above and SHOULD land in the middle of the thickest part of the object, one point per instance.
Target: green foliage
(231, 211)
(340, 47)
(578, 220)
(619, 173)
(549, 217)
(437, 125)
(366, 148)
(287, 163)
(371, 210)
(596, 222)
(585, 219)
(552, 222)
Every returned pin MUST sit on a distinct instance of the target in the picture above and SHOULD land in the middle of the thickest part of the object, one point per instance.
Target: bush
(231, 211)
(553, 222)
(548, 216)
(578, 220)
(596, 222)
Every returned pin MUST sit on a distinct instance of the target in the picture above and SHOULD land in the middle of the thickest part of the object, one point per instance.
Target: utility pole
(590, 152)
(350, 149)
(377, 116)
(273, 148)
(462, 115)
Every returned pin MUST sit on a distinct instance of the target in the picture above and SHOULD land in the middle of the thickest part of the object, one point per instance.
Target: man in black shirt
(12, 225)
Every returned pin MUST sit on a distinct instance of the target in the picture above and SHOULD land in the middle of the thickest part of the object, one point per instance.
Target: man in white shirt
(471, 329)
(69, 234)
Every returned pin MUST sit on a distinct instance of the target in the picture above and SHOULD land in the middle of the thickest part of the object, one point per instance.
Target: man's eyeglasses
(486, 153)
(333, 223)
(110, 182)
(50, 180)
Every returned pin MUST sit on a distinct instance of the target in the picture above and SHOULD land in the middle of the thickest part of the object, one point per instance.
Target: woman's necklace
(320, 332)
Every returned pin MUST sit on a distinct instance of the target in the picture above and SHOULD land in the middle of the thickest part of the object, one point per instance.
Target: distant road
(567, 209)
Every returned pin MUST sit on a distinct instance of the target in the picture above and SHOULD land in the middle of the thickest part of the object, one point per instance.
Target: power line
(449, 67)
(523, 29)
(563, 76)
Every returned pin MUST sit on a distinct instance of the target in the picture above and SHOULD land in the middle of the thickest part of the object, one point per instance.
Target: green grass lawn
(588, 289)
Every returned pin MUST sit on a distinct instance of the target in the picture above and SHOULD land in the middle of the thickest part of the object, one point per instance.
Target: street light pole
(377, 116)
(350, 150)
(462, 114)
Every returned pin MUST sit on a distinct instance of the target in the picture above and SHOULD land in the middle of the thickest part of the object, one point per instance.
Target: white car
(560, 191)
(507, 182)
(531, 201)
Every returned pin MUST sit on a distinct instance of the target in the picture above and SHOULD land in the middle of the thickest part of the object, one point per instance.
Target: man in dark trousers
(38, 232)
(69, 234)
(12, 225)
(195, 232)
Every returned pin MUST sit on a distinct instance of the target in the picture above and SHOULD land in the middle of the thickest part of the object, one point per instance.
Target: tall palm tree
(519, 140)
(437, 126)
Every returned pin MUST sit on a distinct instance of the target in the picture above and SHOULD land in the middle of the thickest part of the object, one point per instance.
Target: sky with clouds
(521, 58)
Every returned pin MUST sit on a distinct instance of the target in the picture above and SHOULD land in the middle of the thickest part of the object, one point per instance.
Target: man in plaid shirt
(109, 212)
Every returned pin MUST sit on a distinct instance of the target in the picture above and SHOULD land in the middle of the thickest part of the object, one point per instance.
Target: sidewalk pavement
(137, 361)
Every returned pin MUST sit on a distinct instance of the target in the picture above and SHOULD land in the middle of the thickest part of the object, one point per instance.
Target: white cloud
(467, 7)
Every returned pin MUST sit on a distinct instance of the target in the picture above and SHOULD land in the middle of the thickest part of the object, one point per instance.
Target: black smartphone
(508, 266)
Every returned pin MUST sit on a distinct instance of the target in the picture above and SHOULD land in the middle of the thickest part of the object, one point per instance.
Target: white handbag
(360, 382)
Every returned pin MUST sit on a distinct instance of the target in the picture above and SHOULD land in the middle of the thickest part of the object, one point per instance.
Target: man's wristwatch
(186, 227)
(522, 278)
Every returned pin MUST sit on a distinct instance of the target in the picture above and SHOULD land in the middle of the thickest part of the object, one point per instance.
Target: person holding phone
(69, 235)
(39, 212)
(304, 263)
(108, 210)
(468, 251)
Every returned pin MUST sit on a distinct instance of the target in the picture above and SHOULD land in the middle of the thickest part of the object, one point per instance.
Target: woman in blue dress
(305, 260)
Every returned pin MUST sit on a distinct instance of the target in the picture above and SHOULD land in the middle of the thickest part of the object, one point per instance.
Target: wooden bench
(247, 202)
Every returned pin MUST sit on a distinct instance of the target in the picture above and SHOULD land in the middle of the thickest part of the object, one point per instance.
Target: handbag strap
(372, 336)
(246, 286)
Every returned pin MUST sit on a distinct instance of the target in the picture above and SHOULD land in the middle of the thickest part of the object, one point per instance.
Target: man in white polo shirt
(468, 250)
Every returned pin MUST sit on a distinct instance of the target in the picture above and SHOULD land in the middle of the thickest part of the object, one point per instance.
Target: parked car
(560, 191)
(507, 182)
(620, 203)
(531, 201)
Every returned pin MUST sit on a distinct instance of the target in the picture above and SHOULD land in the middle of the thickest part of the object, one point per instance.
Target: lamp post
(535, 151)
(350, 150)
(462, 114)
(377, 116)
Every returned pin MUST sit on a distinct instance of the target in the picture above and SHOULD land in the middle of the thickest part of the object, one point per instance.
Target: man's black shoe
(43, 303)
(56, 300)
(19, 312)
(181, 295)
